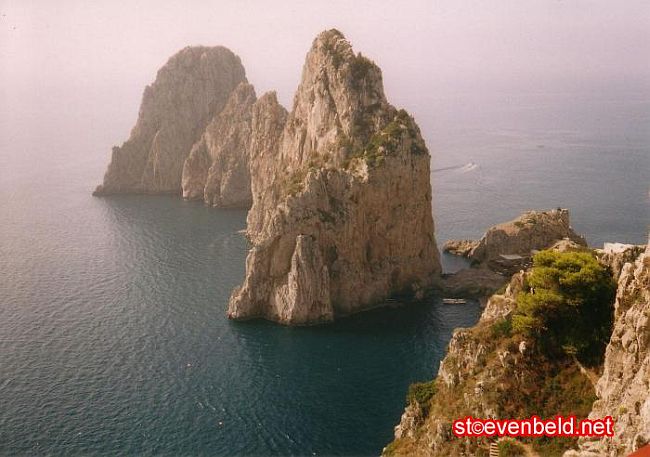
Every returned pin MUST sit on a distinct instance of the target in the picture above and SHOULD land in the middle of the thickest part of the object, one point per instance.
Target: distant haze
(420, 45)
(79, 67)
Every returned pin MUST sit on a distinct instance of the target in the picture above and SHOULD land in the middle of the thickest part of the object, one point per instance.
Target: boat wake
(464, 168)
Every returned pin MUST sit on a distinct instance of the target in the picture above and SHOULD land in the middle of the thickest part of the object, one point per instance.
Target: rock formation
(533, 230)
(496, 370)
(489, 371)
(480, 371)
(472, 283)
(217, 169)
(189, 91)
(461, 248)
(616, 255)
(624, 388)
(341, 215)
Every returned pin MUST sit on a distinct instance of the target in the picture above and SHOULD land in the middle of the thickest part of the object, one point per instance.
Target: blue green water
(113, 336)
(114, 340)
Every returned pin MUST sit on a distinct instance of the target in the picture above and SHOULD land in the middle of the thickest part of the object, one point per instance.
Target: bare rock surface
(189, 91)
(461, 248)
(533, 230)
(341, 216)
(472, 283)
(217, 168)
(616, 255)
(624, 388)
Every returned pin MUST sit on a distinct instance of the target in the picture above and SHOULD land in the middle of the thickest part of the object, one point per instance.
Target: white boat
(454, 301)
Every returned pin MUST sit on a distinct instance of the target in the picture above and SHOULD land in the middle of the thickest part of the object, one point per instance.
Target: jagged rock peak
(341, 94)
(341, 215)
(217, 169)
(189, 90)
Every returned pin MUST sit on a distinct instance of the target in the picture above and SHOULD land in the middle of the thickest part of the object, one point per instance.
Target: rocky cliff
(189, 91)
(616, 255)
(487, 372)
(624, 388)
(341, 214)
(217, 168)
(533, 230)
(494, 370)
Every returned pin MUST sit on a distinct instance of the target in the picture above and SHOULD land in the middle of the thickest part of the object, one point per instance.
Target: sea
(113, 332)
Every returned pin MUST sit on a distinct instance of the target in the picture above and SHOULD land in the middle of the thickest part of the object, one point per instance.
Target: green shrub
(569, 304)
(360, 66)
(294, 183)
(502, 328)
(422, 393)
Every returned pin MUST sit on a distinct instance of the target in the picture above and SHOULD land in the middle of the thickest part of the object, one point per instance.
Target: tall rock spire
(341, 216)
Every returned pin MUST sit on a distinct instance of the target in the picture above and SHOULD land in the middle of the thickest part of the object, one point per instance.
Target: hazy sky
(478, 76)
(422, 46)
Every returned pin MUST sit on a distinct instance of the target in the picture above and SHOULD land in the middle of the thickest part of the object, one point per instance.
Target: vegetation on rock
(360, 66)
(522, 362)
(568, 307)
(370, 227)
(421, 393)
(385, 142)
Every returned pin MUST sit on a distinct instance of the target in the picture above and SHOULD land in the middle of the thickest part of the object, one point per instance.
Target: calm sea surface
(113, 335)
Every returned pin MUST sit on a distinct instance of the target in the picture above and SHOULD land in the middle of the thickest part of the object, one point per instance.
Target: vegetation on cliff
(568, 305)
(386, 142)
(520, 361)
(341, 216)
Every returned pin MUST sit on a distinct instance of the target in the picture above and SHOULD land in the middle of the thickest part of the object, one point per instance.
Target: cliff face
(480, 369)
(217, 169)
(189, 91)
(490, 371)
(616, 255)
(533, 230)
(341, 214)
(624, 388)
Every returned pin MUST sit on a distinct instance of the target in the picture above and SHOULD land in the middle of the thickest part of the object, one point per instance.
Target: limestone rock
(488, 372)
(189, 91)
(624, 388)
(533, 230)
(462, 248)
(346, 182)
(616, 255)
(501, 305)
(567, 245)
(472, 283)
(409, 422)
(473, 369)
(217, 169)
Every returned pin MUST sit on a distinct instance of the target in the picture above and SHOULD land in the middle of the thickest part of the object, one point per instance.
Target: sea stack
(217, 169)
(190, 90)
(341, 216)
